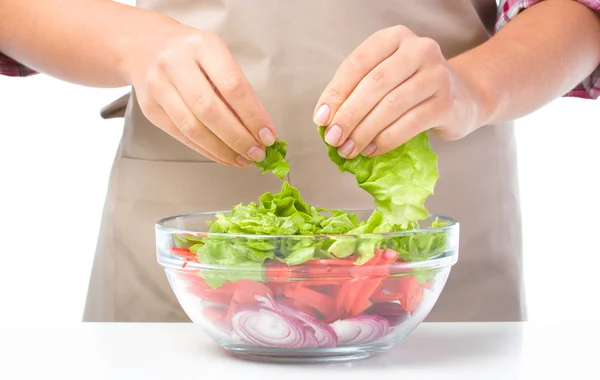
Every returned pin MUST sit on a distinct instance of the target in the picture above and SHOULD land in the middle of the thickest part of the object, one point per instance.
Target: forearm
(539, 56)
(86, 42)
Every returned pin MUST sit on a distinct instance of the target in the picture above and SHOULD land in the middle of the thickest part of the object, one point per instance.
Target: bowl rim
(161, 227)
(406, 268)
(170, 261)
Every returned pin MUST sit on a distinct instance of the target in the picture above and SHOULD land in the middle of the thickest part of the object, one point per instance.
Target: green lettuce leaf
(399, 180)
(275, 160)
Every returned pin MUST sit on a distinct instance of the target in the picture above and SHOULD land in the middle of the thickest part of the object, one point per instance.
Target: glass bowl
(323, 309)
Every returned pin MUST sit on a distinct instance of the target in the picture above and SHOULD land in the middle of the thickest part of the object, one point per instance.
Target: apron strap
(116, 109)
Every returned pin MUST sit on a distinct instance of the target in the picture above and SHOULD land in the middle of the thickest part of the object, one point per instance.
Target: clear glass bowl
(328, 309)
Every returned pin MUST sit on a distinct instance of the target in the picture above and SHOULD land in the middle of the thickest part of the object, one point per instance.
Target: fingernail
(266, 136)
(333, 136)
(346, 148)
(242, 161)
(322, 114)
(256, 154)
(369, 150)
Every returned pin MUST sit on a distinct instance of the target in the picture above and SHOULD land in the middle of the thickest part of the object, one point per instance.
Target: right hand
(189, 85)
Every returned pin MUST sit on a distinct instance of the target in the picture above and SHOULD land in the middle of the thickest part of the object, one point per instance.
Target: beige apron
(289, 50)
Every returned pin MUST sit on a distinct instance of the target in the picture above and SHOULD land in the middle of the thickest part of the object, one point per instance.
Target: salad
(300, 276)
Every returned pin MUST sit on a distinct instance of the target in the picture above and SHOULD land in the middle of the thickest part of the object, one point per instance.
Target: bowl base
(321, 355)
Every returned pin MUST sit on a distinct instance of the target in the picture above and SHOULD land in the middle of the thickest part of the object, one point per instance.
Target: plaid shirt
(507, 10)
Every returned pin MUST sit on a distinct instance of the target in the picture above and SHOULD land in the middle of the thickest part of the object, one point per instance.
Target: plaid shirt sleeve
(12, 68)
(589, 88)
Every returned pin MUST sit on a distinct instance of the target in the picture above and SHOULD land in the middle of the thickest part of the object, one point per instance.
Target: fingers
(223, 71)
(191, 127)
(194, 90)
(211, 111)
(419, 119)
(385, 93)
(160, 119)
(388, 75)
(363, 60)
(396, 103)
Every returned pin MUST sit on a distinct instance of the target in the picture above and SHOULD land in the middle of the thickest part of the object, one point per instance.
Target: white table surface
(181, 351)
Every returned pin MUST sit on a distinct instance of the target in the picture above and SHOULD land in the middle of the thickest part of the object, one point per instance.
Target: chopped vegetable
(312, 298)
(246, 291)
(287, 214)
(360, 330)
(399, 180)
(269, 328)
(275, 160)
(298, 276)
(324, 333)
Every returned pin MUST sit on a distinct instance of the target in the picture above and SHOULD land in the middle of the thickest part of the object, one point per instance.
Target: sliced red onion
(323, 332)
(268, 302)
(268, 328)
(362, 329)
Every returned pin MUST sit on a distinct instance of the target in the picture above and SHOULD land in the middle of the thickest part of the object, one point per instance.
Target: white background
(55, 158)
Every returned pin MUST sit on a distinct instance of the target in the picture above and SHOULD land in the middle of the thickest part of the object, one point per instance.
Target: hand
(392, 87)
(189, 85)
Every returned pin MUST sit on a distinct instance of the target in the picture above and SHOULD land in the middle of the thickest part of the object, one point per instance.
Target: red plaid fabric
(12, 68)
(507, 10)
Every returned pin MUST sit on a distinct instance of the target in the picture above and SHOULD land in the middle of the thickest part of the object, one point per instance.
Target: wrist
(485, 96)
(147, 31)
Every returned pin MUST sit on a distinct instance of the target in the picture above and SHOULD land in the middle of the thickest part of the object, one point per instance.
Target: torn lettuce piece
(275, 160)
(300, 256)
(399, 180)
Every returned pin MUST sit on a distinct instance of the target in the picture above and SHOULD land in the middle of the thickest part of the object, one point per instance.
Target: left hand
(392, 87)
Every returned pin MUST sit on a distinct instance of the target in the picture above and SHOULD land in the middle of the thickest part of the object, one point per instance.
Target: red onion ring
(362, 329)
(323, 332)
(268, 328)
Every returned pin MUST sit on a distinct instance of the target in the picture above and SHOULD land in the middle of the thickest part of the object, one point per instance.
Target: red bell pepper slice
(413, 299)
(365, 269)
(405, 289)
(198, 287)
(300, 306)
(350, 289)
(233, 306)
(277, 272)
(333, 262)
(184, 253)
(345, 293)
(356, 304)
(320, 302)
(246, 291)
(208, 295)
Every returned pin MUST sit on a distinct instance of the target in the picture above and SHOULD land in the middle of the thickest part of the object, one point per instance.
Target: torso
(289, 51)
